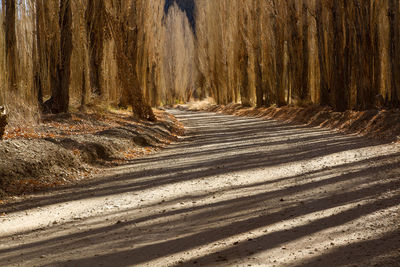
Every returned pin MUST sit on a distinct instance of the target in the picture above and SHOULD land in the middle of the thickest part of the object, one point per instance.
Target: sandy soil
(233, 192)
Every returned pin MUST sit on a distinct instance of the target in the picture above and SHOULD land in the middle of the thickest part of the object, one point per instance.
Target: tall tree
(96, 23)
(41, 61)
(125, 33)
(60, 80)
(243, 71)
(394, 51)
(322, 54)
(11, 45)
(256, 46)
(340, 61)
(278, 16)
(305, 83)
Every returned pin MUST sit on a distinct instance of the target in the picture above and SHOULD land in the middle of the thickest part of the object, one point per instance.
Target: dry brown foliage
(330, 52)
(342, 54)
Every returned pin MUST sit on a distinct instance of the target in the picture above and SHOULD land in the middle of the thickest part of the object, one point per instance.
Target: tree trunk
(61, 93)
(83, 90)
(11, 45)
(324, 88)
(39, 59)
(95, 22)
(305, 84)
(394, 50)
(294, 48)
(244, 75)
(258, 74)
(340, 63)
(279, 33)
(125, 36)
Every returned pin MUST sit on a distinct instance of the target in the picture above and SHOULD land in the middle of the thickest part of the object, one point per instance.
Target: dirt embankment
(70, 147)
(380, 124)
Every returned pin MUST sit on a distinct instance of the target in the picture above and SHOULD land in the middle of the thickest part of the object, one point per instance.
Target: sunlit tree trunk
(125, 33)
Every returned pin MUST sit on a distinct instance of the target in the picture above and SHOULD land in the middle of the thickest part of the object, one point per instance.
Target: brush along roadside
(377, 124)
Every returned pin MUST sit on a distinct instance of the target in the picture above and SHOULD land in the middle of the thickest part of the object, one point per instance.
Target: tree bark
(61, 102)
(340, 62)
(305, 84)
(39, 59)
(60, 79)
(11, 45)
(125, 36)
(244, 75)
(394, 50)
(279, 52)
(324, 86)
(96, 23)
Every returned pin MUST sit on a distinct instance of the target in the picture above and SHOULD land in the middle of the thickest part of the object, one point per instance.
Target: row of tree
(55, 55)
(341, 53)
(59, 54)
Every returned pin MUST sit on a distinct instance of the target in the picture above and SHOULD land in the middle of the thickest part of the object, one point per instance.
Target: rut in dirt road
(233, 192)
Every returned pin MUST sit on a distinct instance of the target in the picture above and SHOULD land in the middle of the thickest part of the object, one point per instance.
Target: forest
(57, 55)
(199, 132)
(341, 54)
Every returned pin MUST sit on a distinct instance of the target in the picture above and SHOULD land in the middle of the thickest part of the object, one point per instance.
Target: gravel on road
(233, 191)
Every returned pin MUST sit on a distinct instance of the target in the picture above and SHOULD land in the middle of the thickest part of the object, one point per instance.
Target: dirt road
(233, 192)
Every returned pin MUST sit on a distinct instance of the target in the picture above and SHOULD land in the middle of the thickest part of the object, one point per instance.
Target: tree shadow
(385, 247)
(247, 207)
(205, 233)
(202, 164)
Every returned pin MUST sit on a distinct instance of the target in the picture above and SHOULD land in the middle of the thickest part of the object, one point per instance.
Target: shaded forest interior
(57, 56)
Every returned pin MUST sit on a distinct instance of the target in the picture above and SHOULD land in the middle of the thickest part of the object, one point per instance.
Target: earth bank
(69, 147)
